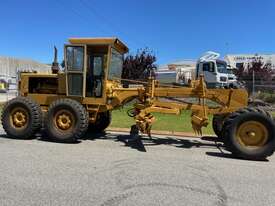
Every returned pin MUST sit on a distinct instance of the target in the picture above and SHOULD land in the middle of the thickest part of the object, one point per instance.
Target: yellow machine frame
(149, 95)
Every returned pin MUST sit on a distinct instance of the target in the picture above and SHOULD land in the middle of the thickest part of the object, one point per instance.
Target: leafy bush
(139, 66)
(267, 97)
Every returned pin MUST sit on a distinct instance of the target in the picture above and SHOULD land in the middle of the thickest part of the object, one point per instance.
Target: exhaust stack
(55, 64)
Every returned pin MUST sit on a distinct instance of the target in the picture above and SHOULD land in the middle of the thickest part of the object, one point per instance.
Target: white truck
(216, 72)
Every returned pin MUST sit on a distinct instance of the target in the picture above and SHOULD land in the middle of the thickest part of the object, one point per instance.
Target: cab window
(222, 68)
(74, 69)
(75, 58)
(116, 65)
(208, 67)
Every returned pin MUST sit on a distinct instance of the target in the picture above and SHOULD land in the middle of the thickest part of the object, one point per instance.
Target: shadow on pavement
(230, 156)
(141, 143)
(211, 138)
(38, 137)
(4, 136)
(126, 139)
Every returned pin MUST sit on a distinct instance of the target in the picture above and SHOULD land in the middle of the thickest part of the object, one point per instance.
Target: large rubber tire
(21, 118)
(258, 103)
(217, 124)
(232, 141)
(260, 110)
(103, 120)
(76, 121)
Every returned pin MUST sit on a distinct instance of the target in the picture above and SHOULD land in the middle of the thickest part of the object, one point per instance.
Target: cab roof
(113, 41)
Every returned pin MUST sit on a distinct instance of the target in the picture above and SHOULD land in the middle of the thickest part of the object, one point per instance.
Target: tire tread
(35, 113)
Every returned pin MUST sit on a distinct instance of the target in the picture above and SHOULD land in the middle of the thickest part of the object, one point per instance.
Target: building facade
(10, 68)
(243, 60)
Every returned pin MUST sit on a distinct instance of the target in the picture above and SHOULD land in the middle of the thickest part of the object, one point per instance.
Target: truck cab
(216, 72)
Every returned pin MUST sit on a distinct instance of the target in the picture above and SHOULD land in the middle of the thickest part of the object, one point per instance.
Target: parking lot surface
(108, 170)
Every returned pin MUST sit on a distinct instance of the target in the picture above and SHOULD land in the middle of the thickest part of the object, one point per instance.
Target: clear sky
(174, 29)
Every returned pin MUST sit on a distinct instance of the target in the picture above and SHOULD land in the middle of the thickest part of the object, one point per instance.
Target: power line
(101, 18)
(76, 13)
(107, 22)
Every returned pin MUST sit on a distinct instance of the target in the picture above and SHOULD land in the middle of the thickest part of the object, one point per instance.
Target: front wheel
(249, 134)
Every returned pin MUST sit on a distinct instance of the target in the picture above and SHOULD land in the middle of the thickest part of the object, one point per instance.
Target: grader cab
(81, 97)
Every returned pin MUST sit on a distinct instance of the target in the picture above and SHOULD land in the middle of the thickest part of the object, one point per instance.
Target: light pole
(253, 83)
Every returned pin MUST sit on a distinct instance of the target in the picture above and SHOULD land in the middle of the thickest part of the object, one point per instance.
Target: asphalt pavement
(107, 170)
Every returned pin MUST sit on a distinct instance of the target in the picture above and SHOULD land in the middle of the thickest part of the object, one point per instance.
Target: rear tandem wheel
(21, 117)
(66, 121)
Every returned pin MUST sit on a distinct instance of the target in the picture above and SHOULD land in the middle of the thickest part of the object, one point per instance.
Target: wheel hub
(19, 118)
(64, 120)
(252, 133)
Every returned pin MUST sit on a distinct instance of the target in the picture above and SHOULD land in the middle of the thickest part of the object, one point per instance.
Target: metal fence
(254, 87)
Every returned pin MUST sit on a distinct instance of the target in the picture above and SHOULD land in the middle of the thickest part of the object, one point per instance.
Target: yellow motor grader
(81, 97)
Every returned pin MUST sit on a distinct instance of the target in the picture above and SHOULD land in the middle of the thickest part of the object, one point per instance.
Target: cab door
(75, 68)
(95, 76)
(210, 75)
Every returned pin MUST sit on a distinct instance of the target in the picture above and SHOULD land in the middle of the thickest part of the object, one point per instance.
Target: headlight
(223, 79)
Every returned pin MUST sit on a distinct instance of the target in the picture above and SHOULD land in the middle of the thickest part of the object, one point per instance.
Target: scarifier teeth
(197, 130)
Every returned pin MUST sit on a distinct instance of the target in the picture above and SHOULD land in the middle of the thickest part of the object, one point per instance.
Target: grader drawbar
(69, 103)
